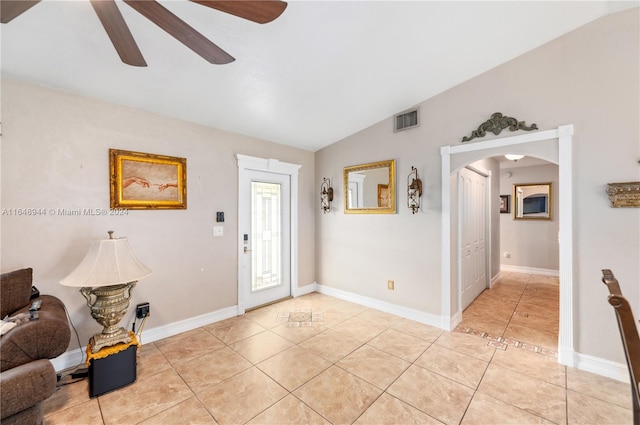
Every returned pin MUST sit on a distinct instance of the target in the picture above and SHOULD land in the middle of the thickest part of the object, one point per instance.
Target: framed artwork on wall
(146, 181)
(505, 204)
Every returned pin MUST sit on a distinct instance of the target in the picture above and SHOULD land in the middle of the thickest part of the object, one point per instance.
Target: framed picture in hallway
(147, 181)
(505, 204)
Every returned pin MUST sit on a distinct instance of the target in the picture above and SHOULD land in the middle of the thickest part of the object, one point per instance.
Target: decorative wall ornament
(624, 194)
(496, 124)
(414, 190)
(326, 195)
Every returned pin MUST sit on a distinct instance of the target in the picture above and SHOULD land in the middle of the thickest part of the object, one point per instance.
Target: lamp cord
(139, 333)
(74, 370)
(77, 336)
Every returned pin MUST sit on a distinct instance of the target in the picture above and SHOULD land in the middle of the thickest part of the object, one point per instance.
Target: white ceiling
(321, 72)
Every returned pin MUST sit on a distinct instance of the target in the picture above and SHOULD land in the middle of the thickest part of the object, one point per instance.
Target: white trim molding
(613, 370)
(398, 310)
(529, 270)
(75, 357)
(563, 136)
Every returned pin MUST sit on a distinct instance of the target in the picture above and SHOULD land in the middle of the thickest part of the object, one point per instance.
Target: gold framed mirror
(532, 201)
(370, 188)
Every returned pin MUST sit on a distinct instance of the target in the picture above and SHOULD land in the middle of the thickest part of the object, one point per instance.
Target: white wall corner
(299, 291)
(450, 323)
(495, 278)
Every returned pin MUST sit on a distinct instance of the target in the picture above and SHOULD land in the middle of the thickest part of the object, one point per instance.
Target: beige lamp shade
(108, 262)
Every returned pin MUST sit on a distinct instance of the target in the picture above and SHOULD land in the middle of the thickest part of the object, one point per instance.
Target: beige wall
(588, 78)
(55, 155)
(530, 243)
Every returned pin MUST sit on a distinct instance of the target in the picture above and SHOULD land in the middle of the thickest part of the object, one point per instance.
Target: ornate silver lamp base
(100, 340)
(109, 306)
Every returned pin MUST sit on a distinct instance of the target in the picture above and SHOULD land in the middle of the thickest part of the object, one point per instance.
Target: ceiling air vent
(406, 120)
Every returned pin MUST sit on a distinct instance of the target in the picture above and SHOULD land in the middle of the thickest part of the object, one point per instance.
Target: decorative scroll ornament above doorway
(496, 124)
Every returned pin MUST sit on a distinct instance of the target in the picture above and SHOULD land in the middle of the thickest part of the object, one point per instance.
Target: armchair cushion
(15, 290)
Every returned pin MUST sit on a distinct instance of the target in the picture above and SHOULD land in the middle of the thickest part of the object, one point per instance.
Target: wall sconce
(414, 190)
(326, 195)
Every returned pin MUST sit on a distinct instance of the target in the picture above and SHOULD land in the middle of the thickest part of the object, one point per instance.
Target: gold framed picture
(146, 181)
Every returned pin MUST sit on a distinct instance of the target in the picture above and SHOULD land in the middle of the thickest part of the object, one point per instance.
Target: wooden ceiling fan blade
(181, 31)
(256, 11)
(11, 9)
(118, 32)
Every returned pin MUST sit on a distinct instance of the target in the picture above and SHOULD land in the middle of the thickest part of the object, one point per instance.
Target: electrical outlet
(142, 310)
(391, 285)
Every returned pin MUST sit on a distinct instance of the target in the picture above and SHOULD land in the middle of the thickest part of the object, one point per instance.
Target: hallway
(520, 310)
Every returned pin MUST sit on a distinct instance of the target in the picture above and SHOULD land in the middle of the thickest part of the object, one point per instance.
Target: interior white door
(266, 227)
(472, 189)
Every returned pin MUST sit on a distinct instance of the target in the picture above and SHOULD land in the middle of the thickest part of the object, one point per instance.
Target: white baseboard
(613, 370)
(304, 290)
(75, 357)
(398, 310)
(529, 270)
(584, 362)
(449, 325)
(495, 279)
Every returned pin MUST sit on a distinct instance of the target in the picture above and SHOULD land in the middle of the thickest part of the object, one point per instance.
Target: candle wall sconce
(414, 190)
(326, 195)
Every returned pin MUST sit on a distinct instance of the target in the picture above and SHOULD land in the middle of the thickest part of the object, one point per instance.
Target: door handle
(247, 250)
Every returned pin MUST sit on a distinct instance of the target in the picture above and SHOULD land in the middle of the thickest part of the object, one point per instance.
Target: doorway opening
(552, 145)
(521, 306)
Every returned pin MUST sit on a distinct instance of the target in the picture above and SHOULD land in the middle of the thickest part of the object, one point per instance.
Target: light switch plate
(218, 230)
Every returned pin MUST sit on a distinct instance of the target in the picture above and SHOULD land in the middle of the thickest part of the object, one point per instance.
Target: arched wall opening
(553, 145)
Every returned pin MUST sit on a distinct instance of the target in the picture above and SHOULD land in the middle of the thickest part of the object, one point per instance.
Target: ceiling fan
(113, 22)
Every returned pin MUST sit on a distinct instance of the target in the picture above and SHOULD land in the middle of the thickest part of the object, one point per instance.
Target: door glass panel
(266, 258)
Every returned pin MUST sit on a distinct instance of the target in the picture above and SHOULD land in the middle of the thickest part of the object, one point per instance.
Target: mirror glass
(532, 201)
(370, 188)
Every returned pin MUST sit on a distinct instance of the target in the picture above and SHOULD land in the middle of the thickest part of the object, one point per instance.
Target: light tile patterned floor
(357, 365)
(521, 310)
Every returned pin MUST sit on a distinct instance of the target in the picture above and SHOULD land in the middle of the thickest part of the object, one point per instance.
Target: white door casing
(562, 140)
(249, 167)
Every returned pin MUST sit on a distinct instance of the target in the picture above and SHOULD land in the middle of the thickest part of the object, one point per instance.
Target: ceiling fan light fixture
(513, 157)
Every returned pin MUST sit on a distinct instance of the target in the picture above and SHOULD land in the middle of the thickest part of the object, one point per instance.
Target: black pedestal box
(112, 372)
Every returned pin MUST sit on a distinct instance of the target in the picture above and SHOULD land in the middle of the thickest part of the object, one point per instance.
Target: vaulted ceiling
(320, 72)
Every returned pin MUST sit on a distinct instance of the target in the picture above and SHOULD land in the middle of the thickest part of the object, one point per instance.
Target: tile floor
(521, 310)
(352, 364)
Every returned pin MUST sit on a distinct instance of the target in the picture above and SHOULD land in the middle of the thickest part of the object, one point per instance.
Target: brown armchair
(27, 377)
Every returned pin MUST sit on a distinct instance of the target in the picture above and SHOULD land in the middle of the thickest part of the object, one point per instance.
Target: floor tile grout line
(385, 390)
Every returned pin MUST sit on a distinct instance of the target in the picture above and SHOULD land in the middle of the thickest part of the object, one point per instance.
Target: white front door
(265, 224)
(472, 189)
(267, 230)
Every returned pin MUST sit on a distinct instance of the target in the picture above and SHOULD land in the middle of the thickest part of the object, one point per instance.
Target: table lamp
(108, 274)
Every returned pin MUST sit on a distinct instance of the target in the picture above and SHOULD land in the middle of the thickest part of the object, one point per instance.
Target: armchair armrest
(45, 338)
